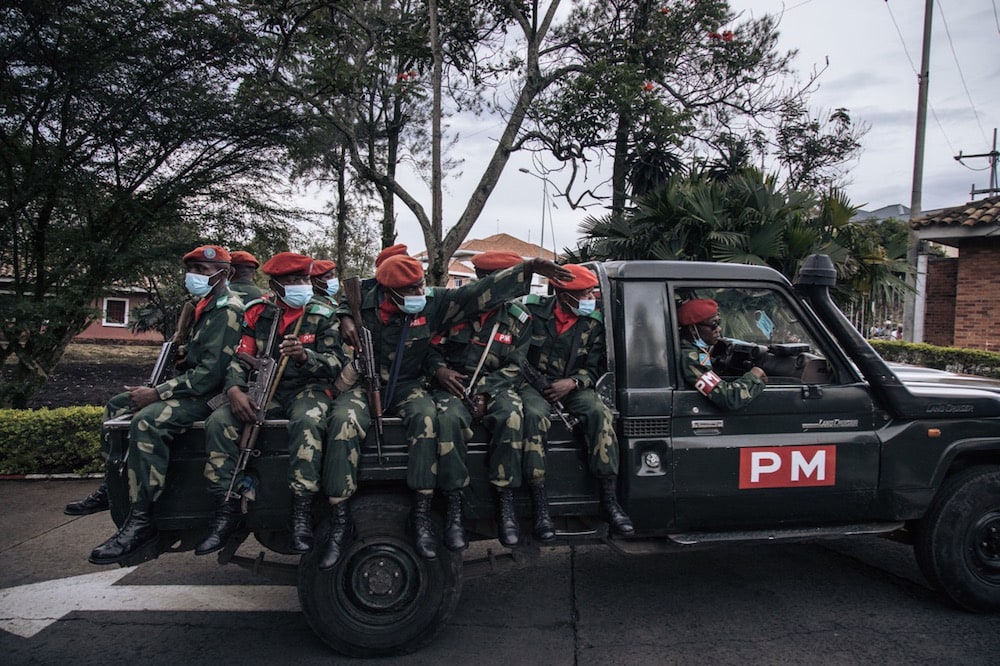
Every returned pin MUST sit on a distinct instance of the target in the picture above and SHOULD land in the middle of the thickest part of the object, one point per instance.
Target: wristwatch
(578, 382)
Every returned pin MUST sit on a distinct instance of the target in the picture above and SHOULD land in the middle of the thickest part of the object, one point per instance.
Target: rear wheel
(958, 543)
(382, 598)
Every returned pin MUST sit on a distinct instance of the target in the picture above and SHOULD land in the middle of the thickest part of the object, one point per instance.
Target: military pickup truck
(839, 443)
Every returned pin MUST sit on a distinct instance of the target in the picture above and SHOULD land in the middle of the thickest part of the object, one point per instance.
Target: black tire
(381, 599)
(958, 543)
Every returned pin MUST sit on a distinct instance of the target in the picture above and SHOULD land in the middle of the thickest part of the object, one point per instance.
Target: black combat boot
(341, 531)
(92, 503)
(508, 529)
(543, 528)
(620, 522)
(136, 533)
(224, 523)
(302, 527)
(421, 527)
(454, 532)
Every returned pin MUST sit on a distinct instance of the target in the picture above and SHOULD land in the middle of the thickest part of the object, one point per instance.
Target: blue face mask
(414, 304)
(197, 284)
(332, 287)
(297, 295)
(585, 306)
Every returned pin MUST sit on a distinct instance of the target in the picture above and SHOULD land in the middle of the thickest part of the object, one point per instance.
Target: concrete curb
(48, 477)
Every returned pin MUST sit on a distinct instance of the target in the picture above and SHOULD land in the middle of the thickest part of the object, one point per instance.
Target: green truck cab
(838, 443)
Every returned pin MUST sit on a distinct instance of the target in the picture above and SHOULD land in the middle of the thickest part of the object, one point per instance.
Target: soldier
(700, 329)
(161, 412)
(401, 315)
(325, 282)
(568, 345)
(241, 278)
(304, 396)
(488, 351)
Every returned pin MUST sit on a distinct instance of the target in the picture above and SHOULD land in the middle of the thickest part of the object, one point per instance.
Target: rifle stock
(168, 352)
(541, 382)
(366, 354)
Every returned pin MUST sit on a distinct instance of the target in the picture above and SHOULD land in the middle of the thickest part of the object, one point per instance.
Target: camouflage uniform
(435, 432)
(246, 290)
(210, 346)
(549, 353)
(696, 366)
(303, 395)
(516, 444)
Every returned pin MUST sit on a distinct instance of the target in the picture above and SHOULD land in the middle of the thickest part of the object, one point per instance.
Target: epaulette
(532, 299)
(517, 312)
(598, 315)
(320, 309)
(256, 301)
(429, 292)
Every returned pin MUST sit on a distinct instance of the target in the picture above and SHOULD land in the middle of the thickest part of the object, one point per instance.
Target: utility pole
(992, 155)
(913, 244)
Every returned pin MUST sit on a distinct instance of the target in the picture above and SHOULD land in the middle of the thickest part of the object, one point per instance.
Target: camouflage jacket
(696, 366)
(247, 291)
(209, 348)
(461, 347)
(445, 308)
(319, 334)
(549, 351)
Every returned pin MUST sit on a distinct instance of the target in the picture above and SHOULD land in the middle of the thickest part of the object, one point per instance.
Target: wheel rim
(381, 582)
(985, 547)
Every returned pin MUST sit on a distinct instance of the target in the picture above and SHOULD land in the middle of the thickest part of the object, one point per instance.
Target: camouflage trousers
(436, 449)
(152, 429)
(517, 441)
(307, 412)
(596, 422)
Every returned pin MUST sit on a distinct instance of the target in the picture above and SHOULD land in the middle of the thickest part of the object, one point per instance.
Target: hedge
(51, 441)
(952, 359)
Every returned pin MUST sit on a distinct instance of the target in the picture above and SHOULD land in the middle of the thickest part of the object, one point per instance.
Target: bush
(50, 441)
(952, 359)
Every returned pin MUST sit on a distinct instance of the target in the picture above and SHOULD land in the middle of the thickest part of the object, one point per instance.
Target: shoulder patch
(518, 313)
(320, 309)
(429, 292)
(598, 315)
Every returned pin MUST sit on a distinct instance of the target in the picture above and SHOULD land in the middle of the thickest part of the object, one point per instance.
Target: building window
(458, 281)
(115, 312)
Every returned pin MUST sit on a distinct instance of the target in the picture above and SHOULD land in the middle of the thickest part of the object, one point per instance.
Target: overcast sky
(873, 48)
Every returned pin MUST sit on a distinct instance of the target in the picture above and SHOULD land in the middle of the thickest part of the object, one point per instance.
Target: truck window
(762, 327)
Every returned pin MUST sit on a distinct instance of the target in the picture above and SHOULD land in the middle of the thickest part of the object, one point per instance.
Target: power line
(961, 75)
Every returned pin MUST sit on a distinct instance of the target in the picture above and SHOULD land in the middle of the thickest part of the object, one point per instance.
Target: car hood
(916, 377)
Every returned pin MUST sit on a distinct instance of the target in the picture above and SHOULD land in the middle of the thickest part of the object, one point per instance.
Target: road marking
(27, 609)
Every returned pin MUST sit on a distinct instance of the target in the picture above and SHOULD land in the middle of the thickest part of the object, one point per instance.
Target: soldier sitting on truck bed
(401, 316)
(164, 411)
(325, 283)
(568, 346)
(309, 337)
(480, 364)
(241, 277)
(700, 328)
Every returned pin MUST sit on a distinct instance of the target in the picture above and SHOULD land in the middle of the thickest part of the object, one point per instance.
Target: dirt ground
(89, 374)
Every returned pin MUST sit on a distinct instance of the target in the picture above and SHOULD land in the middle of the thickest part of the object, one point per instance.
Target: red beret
(244, 258)
(391, 251)
(696, 310)
(287, 263)
(208, 253)
(583, 278)
(496, 261)
(321, 266)
(399, 271)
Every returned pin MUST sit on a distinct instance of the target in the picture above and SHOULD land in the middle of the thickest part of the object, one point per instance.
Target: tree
(130, 131)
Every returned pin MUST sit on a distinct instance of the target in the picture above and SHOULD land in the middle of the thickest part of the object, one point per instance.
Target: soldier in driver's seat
(700, 328)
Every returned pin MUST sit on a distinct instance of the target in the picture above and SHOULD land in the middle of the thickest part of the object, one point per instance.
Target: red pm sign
(788, 466)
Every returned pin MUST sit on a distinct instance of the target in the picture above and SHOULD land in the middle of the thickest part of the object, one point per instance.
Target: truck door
(803, 451)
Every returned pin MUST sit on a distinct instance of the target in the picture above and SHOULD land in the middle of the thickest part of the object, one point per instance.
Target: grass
(81, 352)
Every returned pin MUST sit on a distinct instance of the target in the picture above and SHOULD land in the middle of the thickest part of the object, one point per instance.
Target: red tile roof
(986, 211)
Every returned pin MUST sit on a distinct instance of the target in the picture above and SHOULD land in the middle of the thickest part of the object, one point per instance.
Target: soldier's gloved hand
(142, 395)
(349, 331)
(241, 404)
(559, 389)
(451, 381)
(548, 269)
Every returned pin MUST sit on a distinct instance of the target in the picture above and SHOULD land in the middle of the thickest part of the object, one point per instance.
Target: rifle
(366, 356)
(267, 373)
(541, 382)
(168, 352)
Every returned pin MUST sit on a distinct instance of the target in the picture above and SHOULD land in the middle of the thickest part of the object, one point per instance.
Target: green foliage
(50, 441)
(952, 359)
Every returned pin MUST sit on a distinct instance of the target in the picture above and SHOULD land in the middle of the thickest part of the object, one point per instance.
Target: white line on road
(27, 609)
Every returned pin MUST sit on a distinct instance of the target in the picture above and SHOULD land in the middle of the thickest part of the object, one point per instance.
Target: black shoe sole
(84, 512)
(124, 556)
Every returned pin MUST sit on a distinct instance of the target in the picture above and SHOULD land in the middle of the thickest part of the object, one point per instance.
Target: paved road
(858, 601)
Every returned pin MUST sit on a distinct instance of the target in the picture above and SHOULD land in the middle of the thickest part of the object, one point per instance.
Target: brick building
(962, 294)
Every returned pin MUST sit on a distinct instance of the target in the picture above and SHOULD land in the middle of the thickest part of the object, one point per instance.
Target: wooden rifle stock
(366, 354)
(168, 352)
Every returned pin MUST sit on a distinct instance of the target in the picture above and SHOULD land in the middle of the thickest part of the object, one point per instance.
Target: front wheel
(958, 543)
(382, 598)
